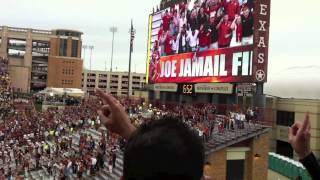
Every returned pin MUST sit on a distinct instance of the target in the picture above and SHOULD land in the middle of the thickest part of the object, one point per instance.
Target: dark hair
(165, 149)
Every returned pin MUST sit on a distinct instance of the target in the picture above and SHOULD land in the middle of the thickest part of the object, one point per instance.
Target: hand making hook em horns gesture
(299, 137)
(113, 115)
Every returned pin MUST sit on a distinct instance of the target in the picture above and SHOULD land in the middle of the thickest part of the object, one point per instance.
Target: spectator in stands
(182, 40)
(247, 26)
(237, 30)
(214, 31)
(166, 18)
(204, 38)
(299, 138)
(225, 32)
(232, 8)
(192, 39)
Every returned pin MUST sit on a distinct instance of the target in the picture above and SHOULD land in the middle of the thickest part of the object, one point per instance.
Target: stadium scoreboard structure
(240, 63)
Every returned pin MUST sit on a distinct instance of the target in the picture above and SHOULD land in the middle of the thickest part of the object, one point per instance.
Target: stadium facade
(286, 112)
(117, 83)
(42, 58)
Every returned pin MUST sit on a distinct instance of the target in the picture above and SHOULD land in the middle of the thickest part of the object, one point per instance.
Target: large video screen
(197, 41)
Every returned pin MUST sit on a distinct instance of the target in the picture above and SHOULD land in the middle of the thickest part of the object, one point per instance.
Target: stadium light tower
(91, 49)
(84, 47)
(113, 29)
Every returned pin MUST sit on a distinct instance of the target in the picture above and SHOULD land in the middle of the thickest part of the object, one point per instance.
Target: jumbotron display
(198, 41)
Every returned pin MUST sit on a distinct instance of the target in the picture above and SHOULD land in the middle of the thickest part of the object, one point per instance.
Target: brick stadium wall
(256, 168)
(218, 161)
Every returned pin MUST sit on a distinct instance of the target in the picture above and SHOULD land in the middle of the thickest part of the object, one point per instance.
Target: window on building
(74, 51)
(103, 87)
(114, 76)
(124, 76)
(103, 75)
(124, 88)
(91, 74)
(102, 81)
(116, 82)
(285, 118)
(63, 47)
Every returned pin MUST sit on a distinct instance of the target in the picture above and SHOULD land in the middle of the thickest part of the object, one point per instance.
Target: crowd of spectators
(35, 140)
(5, 91)
(200, 25)
(25, 137)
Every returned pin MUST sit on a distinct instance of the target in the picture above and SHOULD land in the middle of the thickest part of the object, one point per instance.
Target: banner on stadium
(222, 65)
(168, 87)
(214, 88)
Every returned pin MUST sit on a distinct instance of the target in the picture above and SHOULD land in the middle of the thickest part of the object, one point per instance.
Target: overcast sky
(294, 33)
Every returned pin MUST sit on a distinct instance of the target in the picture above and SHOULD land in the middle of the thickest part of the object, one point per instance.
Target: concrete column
(119, 85)
(215, 99)
(259, 99)
(108, 81)
(85, 78)
(97, 80)
(130, 84)
(28, 56)
(4, 42)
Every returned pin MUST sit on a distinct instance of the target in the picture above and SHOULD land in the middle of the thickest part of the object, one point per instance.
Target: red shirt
(232, 9)
(239, 32)
(167, 45)
(160, 33)
(166, 22)
(225, 28)
(205, 38)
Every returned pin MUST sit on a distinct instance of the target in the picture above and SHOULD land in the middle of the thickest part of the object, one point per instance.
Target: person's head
(226, 18)
(183, 14)
(175, 13)
(202, 11)
(213, 17)
(184, 28)
(164, 149)
(246, 11)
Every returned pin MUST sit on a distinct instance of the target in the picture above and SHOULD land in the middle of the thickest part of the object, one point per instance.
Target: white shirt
(193, 38)
(175, 45)
(93, 161)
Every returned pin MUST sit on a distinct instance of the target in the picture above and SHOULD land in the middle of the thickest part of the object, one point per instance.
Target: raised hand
(113, 115)
(299, 137)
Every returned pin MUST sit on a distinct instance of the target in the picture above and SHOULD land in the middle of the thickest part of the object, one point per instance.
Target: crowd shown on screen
(205, 24)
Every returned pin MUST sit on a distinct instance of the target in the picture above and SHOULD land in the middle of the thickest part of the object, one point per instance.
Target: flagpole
(132, 34)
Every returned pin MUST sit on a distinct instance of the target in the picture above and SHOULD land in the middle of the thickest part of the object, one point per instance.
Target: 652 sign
(187, 89)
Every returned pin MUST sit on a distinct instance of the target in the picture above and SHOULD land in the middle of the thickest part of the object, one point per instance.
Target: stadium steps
(230, 137)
